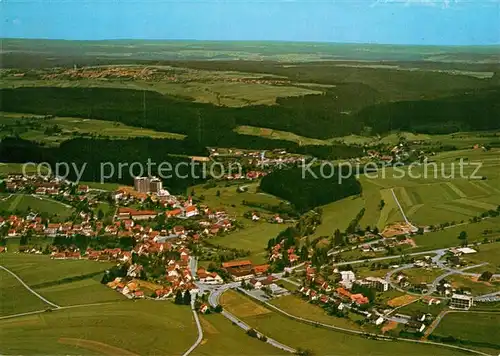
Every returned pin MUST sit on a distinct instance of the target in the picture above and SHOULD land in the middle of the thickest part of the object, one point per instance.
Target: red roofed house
(191, 211)
(204, 309)
(173, 213)
(260, 269)
(239, 270)
(359, 299)
(143, 214)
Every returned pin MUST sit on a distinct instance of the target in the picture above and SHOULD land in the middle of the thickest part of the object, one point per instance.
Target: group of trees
(182, 298)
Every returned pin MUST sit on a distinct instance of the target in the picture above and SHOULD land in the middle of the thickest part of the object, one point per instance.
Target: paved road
(333, 252)
(193, 265)
(437, 251)
(213, 299)
(377, 336)
(435, 283)
(291, 281)
(28, 288)
(200, 330)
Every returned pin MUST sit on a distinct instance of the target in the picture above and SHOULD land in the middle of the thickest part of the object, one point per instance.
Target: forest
(316, 116)
(309, 190)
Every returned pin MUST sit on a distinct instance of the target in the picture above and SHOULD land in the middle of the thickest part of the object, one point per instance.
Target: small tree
(187, 298)
(218, 308)
(485, 276)
(337, 238)
(178, 297)
(462, 235)
(252, 333)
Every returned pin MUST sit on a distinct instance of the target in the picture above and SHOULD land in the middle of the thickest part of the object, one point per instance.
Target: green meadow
(318, 340)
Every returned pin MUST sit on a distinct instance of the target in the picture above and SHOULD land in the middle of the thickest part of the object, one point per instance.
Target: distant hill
(93, 51)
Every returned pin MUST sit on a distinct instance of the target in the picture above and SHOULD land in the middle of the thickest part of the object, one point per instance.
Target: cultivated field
(474, 286)
(217, 87)
(40, 204)
(296, 306)
(489, 253)
(40, 270)
(221, 337)
(435, 199)
(338, 215)
(127, 328)
(15, 298)
(7, 168)
(319, 340)
(474, 327)
(278, 135)
(230, 200)
(253, 237)
(422, 275)
(449, 237)
(36, 128)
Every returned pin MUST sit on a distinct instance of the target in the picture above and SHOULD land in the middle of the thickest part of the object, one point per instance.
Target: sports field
(126, 328)
(320, 341)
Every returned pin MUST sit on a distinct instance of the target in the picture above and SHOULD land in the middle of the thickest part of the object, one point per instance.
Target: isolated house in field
(204, 309)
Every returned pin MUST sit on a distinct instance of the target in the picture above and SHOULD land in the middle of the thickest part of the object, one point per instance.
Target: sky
(422, 22)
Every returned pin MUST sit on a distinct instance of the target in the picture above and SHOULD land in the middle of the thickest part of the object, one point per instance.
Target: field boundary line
(29, 289)
(21, 314)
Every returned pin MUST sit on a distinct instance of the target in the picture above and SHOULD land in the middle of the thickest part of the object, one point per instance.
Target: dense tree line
(335, 113)
(474, 110)
(307, 191)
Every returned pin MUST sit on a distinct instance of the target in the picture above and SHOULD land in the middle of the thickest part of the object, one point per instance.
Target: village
(162, 263)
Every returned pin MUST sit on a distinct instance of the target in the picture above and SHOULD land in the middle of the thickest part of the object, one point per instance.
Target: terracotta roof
(261, 268)
(236, 263)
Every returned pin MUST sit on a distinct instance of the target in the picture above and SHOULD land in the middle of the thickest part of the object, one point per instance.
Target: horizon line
(254, 40)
